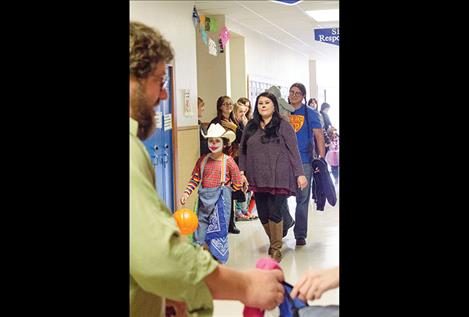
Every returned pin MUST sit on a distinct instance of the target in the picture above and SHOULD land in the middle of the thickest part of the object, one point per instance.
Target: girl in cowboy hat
(218, 175)
(225, 117)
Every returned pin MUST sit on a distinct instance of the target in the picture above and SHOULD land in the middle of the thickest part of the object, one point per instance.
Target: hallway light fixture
(324, 15)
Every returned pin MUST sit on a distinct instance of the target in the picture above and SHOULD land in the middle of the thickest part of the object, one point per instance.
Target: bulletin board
(257, 85)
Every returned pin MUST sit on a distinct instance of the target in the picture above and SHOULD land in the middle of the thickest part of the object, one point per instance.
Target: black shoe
(300, 241)
(285, 229)
(234, 230)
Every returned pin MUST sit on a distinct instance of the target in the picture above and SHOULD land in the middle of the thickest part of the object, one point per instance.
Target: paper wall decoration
(212, 47)
(210, 24)
(225, 35)
(204, 36)
(195, 17)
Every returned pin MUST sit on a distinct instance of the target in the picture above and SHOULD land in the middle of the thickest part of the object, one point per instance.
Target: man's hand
(264, 289)
(314, 283)
(319, 136)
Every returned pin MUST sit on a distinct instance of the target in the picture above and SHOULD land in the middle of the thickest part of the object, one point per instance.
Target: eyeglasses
(296, 94)
(227, 104)
(164, 82)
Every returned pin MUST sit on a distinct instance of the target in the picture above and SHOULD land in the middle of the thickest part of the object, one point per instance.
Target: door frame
(174, 134)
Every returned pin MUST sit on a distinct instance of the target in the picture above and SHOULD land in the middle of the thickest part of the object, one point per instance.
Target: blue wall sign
(288, 2)
(330, 36)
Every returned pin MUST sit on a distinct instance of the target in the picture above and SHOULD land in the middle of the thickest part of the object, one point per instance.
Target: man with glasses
(165, 269)
(306, 123)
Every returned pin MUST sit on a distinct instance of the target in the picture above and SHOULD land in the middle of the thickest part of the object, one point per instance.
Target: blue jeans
(302, 203)
(208, 198)
(242, 208)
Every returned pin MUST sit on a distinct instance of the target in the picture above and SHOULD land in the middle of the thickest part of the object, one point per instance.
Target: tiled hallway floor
(321, 251)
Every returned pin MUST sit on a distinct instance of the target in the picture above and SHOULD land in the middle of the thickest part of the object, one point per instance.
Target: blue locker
(160, 145)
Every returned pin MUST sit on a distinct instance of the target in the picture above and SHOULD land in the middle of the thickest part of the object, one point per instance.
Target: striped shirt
(212, 174)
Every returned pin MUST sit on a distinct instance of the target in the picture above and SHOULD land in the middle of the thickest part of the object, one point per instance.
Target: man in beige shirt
(164, 268)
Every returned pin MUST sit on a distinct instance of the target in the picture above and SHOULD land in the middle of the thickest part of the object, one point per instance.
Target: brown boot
(267, 230)
(276, 231)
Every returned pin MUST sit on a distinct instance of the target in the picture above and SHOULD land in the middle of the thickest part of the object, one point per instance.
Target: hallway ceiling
(289, 25)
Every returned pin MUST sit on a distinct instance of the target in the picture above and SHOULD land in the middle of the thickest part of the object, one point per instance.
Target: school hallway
(231, 51)
(321, 251)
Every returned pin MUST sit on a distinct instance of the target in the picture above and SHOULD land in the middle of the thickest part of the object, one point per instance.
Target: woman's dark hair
(301, 87)
(315, 101)
(324, 106)
(271, 129)
(226, 143)
(220, 102)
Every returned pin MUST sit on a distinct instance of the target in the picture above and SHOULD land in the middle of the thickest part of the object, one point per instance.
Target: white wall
(212, 72)
(174, 20)
(328, 79)
(313, 85)
(270, 60)
(238, 68)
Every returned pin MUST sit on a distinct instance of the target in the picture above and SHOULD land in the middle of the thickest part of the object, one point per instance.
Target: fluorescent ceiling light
(324, 15)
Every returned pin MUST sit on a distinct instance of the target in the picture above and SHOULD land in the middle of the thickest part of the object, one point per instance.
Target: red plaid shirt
(212, 174)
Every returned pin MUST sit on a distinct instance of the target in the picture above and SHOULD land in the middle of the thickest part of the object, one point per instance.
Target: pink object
(263, 264)
(332, 158)
(225, 35)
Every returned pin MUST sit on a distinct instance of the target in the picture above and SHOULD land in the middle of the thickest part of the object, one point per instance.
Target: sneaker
(252, 217)
(300, 241)
(242, 217)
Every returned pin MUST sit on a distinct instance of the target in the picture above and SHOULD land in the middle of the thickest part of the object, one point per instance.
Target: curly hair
(147, 48)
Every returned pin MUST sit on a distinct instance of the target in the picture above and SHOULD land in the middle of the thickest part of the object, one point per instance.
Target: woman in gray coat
(270, 160)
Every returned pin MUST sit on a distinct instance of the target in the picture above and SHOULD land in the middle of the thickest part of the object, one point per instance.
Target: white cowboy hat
(218, 131)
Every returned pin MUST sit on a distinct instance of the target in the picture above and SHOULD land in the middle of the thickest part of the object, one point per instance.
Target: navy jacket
(323, 186)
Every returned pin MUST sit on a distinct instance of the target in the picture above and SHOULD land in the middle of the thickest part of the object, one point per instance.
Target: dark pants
(287, 218)
(269, 207)
(232, 224)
